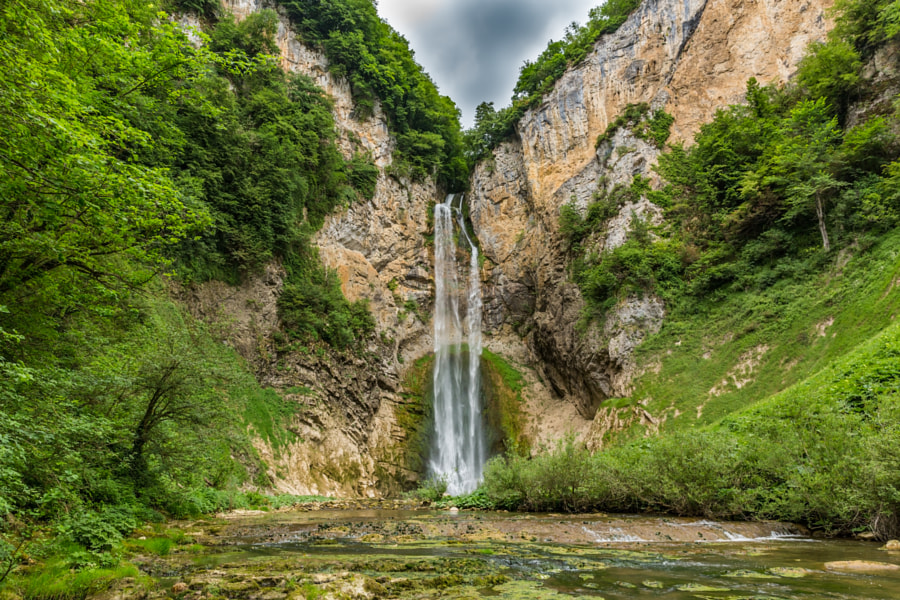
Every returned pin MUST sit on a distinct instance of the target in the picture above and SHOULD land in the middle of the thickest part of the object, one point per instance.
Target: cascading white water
(459, 448)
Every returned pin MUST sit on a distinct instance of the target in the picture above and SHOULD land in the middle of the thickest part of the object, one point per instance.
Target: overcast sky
(473, 48)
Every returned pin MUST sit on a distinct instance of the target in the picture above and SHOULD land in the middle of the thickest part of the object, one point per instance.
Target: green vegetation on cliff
(502, 387)
(134, 158)
(769, 193)
(379, 65)
(773, 383)
(537, 78)
(736, 439)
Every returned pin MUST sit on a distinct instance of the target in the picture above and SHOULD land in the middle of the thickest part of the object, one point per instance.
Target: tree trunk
(820, 213)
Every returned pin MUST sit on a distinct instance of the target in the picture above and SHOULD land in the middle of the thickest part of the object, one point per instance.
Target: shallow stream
(387, 553)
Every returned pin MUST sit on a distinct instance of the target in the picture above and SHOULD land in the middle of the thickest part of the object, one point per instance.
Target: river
(387, 550)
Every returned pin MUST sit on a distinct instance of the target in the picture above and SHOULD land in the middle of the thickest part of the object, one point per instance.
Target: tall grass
(58, 582)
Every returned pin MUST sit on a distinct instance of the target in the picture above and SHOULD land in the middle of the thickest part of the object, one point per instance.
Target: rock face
(348, 441)
(689, 57)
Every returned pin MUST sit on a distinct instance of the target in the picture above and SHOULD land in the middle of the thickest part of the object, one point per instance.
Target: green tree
(831, 71)
(74, 197)
(866, 24)
(799, 167)
(164, 386)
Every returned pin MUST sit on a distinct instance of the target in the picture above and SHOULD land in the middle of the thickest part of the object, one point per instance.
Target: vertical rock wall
(348, 439)
(689, 57)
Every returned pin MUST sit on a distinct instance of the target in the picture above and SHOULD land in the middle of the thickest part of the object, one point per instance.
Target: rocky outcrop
(378, 249)
(689, 57)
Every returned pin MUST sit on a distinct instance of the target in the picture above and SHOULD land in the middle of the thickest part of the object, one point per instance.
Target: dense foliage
(258, 152)
(768, 190)
(127, 151)
(537, 78)
(379, 65)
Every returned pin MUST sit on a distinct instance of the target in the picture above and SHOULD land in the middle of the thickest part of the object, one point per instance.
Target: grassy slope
(704, 350)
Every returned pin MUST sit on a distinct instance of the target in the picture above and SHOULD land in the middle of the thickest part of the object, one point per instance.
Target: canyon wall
(688, 57)
(347, 437)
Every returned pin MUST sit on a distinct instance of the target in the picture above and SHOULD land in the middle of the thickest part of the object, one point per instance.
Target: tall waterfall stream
(459, 448)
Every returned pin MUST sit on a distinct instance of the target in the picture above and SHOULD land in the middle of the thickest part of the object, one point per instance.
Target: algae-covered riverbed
(391, 551)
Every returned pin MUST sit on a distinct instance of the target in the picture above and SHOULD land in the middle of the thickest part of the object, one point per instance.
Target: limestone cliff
(689, 57)
(348, 441)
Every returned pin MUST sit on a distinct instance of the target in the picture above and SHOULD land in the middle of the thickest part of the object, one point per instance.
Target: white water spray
(459, 450)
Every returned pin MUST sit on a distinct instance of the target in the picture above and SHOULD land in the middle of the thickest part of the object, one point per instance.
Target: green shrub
(431, 489)
(823, 453)
(631, 116)
(57, 581)
(477, 500)
(363, 175)
(99, 531)
(160, 546)
(205, 8)
(657, 128)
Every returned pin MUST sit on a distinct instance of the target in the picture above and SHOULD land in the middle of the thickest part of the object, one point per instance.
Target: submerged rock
(792, 572)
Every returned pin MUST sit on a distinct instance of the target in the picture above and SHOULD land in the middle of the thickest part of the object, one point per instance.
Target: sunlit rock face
(689, 57)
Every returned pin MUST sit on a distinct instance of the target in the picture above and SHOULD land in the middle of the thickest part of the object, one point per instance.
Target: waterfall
(459, 448)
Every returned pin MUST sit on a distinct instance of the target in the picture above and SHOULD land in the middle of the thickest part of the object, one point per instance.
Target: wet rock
(699, 587)
(179, 588)
(791, 572)
(893, 545)
(860, 566)
(748, 574)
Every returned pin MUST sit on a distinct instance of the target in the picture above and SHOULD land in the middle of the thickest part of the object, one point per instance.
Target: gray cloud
(473, 49)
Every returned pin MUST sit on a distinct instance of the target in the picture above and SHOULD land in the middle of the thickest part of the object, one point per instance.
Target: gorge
(250, 260)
